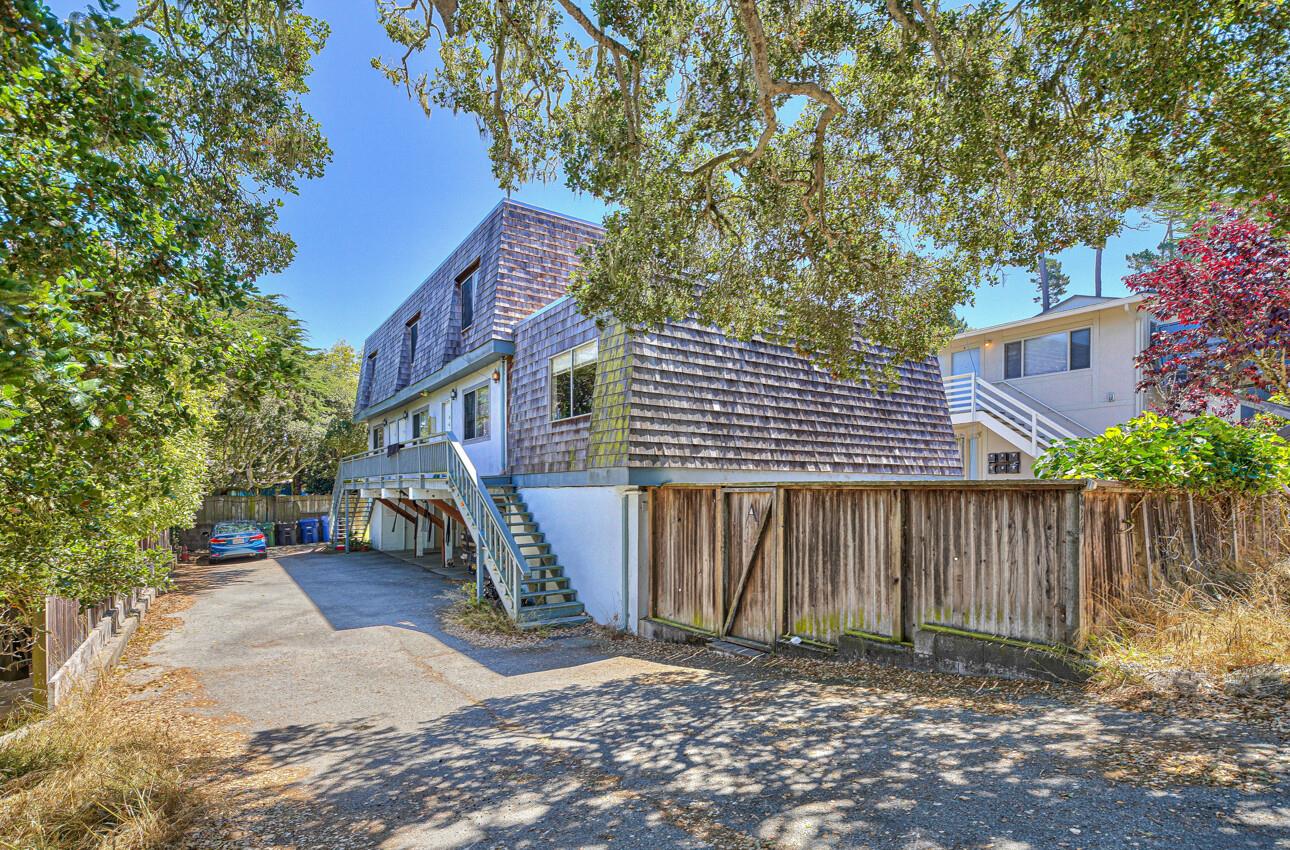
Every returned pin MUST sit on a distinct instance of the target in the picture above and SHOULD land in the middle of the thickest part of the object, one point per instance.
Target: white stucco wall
(446, 414)
(1103, 395)
(584, 526)
(390, 532)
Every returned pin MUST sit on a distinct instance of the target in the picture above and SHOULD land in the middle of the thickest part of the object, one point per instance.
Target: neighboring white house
(1015, 387)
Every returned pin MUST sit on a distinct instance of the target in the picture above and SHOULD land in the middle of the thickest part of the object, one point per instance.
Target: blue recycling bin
(326, 528)
(308, 530)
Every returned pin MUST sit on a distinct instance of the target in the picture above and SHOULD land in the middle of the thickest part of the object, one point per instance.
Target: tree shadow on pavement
(703, 758)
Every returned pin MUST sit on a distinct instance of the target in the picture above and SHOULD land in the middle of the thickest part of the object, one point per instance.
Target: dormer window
(468, 299)
(409, 351)
(369, 378)
(413, 324)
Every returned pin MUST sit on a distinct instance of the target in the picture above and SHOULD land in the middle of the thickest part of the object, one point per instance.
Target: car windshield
(233, 528)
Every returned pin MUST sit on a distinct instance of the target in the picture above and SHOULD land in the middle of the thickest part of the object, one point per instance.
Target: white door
(966, 362)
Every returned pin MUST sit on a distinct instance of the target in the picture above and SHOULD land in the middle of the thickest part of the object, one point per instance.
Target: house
(1014, 388)
(502, 420)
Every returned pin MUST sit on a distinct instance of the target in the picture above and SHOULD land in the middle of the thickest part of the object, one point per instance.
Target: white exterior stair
(1011, 414)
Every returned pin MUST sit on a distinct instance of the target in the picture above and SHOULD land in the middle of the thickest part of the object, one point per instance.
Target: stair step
(530, 537)
(537, 562)
(540, 613)
(522, 527)
(559, 580)
(575, 620)
(527, 549)
(566, 595)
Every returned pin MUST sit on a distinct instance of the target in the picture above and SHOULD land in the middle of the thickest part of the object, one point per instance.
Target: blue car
(237, 540)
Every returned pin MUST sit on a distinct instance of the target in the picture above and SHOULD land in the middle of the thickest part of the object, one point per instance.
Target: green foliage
(117, 280)
(1205, 453)
(809, 170)
(288, 422)
(1058, 282)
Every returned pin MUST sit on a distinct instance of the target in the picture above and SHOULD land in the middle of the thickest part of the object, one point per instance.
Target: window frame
(1068, 368)
(553, 376)
(475, 390)
(414, 337)
(467, 284)
(369, 377)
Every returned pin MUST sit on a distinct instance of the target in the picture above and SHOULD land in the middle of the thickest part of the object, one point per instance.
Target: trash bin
(326, 528)
(281, 532)
(269, 535)
(309, 530)
(287, 534)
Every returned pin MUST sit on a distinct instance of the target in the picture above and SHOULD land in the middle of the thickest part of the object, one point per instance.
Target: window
(422, 424)
(966, 362)
(475, 414)
(378, 437)
(573, 380)
(369, 378)
(413, 324)
(468, 300)
(1048, 354)
(416, 426)
(408, 357)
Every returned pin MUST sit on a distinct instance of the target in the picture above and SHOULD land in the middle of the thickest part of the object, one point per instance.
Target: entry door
(750, 585)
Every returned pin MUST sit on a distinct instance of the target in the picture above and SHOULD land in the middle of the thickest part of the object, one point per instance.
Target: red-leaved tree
(1228, 290)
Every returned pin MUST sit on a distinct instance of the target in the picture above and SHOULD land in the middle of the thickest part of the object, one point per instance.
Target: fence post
(40, 658)
(1076, 567)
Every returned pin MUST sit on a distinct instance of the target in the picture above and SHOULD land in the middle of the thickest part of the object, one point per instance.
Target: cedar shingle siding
(688, 397)
(525, 258)
(682, 396)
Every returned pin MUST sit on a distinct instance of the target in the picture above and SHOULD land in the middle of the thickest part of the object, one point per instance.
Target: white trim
(1051, 316)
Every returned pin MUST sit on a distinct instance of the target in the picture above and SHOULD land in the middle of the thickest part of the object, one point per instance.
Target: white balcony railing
(440, 456)
(969, 394)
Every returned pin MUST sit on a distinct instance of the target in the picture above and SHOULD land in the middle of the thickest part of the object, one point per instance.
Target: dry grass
(92, 775)
(482, 622)
(1237, 622)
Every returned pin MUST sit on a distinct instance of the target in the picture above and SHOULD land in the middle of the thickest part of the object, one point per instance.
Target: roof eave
(455, 369)
(1044, 317)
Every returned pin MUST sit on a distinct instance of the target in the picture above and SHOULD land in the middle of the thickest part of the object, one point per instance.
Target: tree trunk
(1043, 281)
(1097, 272)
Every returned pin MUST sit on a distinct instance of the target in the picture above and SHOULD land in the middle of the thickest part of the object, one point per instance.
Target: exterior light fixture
(453, 394)
(497, 376)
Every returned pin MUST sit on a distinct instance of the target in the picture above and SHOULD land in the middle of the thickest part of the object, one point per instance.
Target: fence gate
(749, 577)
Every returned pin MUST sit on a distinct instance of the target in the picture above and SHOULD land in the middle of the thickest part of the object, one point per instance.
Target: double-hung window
(573, 380)
(475, 413)
(1064, 351)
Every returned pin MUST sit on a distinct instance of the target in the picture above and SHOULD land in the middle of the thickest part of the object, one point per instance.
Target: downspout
(628, 493)
(505, 385)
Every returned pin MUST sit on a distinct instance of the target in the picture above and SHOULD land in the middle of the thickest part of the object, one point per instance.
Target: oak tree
(802, 169)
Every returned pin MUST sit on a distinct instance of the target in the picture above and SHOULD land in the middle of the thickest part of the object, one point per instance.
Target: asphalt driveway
(407, 737)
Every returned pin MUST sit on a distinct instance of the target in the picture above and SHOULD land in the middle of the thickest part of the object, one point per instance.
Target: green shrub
(1205, 453)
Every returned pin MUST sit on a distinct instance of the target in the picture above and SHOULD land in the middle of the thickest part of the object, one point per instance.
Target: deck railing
(970, 394)
(441, 456)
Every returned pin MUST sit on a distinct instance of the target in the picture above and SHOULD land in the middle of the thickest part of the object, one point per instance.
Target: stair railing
(971, 394)
(442, 455)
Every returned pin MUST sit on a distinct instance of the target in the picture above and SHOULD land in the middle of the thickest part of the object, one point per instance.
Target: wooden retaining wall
(1035, 561)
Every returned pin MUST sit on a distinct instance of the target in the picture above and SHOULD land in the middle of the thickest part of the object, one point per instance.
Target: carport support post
(479, 573)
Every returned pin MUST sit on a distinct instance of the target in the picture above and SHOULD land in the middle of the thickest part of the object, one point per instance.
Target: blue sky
(403, 189)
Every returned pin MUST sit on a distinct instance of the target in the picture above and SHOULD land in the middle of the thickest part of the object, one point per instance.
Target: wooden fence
(1035, 561)
(1134, 542)
(261, 508)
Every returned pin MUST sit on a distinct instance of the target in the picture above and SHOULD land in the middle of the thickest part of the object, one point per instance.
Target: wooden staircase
(546, 597)
(352, 519)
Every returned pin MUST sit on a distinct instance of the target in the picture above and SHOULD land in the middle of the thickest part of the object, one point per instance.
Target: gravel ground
(360, 722)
